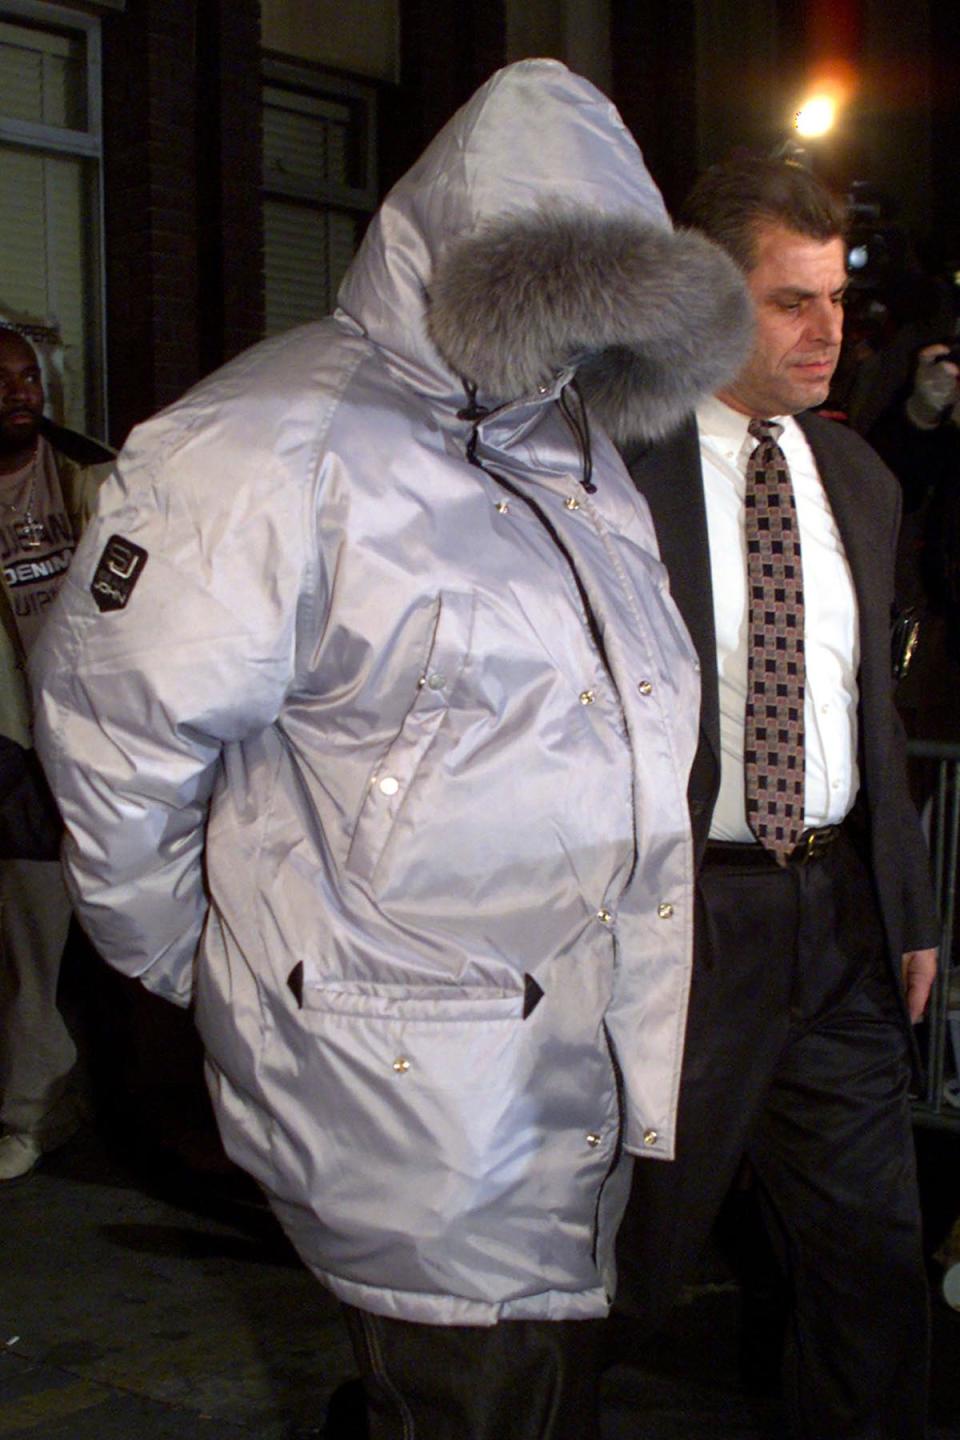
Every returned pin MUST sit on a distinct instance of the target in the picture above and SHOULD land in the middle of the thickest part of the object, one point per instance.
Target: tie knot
(765, 430)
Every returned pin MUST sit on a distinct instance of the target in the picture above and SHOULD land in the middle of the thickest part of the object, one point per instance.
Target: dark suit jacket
(865, 499)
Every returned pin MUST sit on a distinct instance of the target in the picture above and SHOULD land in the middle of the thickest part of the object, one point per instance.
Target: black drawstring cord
(579, 425)
(580, 428)
(472, 411)
(589, 486)
(475, 413)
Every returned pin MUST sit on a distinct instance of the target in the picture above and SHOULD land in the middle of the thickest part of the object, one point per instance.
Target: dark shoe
(347, 1413)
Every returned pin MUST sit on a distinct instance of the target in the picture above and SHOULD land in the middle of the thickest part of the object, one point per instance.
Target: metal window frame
(325, 198)
(86, 144)
(309, 80)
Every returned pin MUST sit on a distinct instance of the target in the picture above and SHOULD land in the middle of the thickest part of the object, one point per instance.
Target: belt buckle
(812, 844)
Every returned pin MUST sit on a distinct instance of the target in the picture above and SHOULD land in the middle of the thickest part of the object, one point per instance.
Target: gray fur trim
(653, 319)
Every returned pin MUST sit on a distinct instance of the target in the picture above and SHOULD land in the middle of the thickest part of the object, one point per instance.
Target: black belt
(812, 845)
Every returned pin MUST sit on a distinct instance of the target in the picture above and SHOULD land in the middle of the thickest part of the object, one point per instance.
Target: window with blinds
(319, 187)
(49, 200)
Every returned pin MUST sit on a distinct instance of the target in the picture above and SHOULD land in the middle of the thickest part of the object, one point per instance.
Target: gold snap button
(664, 910)
(645, 687)
(401, 1064)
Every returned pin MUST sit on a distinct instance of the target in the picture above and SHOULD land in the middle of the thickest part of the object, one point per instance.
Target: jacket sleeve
(921, 926)
(137, 693)
(921, 923)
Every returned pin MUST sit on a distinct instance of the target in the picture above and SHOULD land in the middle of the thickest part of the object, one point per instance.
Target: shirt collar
(725, 428)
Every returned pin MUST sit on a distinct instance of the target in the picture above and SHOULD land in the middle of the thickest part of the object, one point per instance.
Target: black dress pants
(519, 1380)
(796, 1059)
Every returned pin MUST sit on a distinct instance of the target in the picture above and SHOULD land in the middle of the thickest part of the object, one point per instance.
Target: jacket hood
(530, 241)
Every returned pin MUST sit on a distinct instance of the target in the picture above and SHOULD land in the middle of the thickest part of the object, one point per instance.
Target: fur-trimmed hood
(530, 240)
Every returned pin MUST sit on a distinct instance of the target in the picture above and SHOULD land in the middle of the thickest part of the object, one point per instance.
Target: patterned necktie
(773, 738)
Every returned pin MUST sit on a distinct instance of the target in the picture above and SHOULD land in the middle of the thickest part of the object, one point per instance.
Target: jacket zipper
(588, 613)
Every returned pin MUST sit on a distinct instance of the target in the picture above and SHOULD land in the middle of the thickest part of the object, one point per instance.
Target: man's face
(21, 395)
(797, 285)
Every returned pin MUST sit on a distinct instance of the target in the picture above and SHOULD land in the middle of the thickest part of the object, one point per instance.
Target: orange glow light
(816, 116)
(832, 86)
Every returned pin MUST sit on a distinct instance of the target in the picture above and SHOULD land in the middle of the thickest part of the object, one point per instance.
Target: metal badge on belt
(118, 570)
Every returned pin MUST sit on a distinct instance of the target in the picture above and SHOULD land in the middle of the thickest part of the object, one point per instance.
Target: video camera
(876, 249)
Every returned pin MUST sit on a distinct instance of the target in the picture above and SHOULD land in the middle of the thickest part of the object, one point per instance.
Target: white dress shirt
(831, 631)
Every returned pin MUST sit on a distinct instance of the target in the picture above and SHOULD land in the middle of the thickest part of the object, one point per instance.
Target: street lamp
(816, 116)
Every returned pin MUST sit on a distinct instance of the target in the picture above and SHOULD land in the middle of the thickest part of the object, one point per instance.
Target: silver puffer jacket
(385, 754)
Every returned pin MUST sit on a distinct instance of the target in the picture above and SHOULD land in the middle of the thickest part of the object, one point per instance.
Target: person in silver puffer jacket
(370, 716)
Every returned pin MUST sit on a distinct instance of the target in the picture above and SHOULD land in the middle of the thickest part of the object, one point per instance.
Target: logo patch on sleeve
(118, 570)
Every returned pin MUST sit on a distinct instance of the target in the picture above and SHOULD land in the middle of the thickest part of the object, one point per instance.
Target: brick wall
(229, 169)
(183, 233)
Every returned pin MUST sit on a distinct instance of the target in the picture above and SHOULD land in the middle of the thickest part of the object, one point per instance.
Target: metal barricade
(939, 762)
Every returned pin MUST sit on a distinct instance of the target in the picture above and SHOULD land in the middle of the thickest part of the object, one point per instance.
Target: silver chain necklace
(28, 530)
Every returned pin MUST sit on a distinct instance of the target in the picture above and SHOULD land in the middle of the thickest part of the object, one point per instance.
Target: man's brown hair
(732, 198)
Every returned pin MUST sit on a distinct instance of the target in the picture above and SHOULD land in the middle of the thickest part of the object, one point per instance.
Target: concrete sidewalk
(145, 1308)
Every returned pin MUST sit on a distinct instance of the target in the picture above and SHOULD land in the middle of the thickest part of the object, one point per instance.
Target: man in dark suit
(815, 929)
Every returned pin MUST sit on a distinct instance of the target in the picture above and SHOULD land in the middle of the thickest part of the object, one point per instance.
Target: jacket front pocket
(393, 778)
(442, 1003)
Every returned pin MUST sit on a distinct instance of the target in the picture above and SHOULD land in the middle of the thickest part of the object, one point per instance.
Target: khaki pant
(37, 1053)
